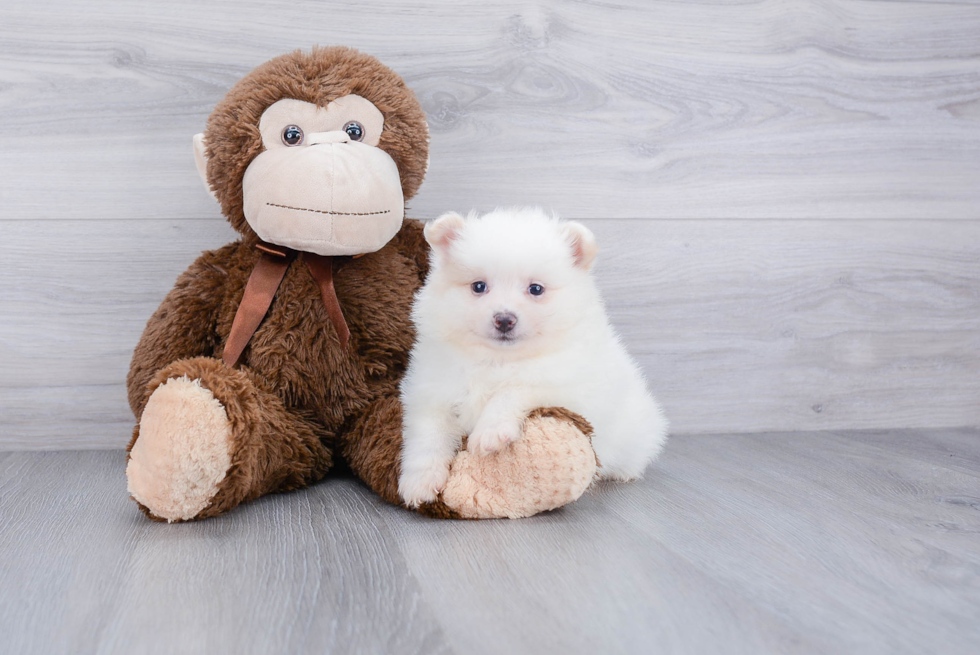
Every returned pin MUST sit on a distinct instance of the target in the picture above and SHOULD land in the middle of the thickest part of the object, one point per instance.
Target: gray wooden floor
(826, 542)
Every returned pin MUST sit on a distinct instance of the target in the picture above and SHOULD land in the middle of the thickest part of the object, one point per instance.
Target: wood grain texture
(790, 109)
(830, 542)
(783, 543)
(741, 326)
(874, 525)
(83, 571)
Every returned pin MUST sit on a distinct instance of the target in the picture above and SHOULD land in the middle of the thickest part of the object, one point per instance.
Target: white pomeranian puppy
(510, 319)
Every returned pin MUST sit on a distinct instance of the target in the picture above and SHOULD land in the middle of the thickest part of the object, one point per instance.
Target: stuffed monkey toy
(279, 354)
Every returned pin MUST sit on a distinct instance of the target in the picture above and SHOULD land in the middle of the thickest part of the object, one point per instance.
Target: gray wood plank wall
(787, 193)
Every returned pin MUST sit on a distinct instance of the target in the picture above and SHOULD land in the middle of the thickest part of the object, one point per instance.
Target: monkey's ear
(201, 159)
(441, 232)
(582, 241)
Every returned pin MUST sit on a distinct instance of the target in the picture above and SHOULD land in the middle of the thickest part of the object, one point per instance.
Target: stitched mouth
(321, 211)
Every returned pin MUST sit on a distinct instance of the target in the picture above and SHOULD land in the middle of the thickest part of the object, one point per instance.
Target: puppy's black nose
(504, 322)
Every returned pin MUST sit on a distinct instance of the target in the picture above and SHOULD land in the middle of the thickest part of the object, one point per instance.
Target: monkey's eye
(292, 135)
(535, 289)
(479, 287)
(354, 130)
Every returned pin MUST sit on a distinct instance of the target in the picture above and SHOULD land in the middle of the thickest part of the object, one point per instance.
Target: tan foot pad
(552, 465)
(183, 450)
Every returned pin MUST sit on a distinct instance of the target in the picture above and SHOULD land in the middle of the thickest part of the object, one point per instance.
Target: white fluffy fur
(466, 378)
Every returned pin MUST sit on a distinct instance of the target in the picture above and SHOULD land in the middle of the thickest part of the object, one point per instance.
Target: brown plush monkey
(275, 354)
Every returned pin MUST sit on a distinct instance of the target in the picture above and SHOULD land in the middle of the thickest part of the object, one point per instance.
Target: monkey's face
(316, 151)
(321, 184)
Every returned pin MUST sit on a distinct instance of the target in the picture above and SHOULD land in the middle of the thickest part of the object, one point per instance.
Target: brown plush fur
(298, 396)
(297, 389)
(273, 448)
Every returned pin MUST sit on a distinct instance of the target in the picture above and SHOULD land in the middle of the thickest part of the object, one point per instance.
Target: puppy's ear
(582, 241)
(441, 232)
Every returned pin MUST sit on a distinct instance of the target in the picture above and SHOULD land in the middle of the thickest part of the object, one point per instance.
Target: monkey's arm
(184, 324)
(410, 242)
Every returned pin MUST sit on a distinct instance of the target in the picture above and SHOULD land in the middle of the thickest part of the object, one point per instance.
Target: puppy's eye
(479, 287)
(354, 130)
(535, 289)
(292, 135)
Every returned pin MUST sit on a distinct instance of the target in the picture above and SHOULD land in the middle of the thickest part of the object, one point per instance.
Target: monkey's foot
(552, 465)
(182, 452)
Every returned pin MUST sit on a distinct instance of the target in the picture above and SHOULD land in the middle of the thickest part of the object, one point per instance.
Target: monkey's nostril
(504, 322)
(326, 138)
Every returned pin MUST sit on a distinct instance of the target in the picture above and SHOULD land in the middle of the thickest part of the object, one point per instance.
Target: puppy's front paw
(422, 485)
(490, 439)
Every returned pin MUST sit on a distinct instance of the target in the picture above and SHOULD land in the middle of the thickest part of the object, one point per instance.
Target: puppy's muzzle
(504, 322)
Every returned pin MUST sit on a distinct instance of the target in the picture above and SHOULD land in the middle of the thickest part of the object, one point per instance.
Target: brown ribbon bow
(261, 289)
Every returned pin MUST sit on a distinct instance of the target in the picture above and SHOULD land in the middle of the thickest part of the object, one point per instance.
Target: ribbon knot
(261, 288)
